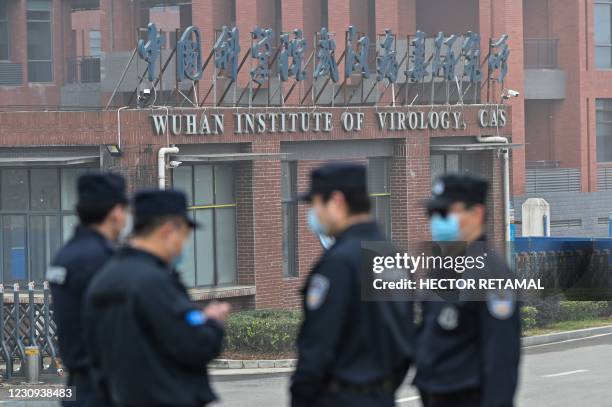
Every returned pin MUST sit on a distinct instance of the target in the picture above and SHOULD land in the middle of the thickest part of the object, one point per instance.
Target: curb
(252, 364)
(564, 336)
(246, 367)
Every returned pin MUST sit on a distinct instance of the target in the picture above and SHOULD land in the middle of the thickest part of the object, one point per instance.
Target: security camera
(174, 164)
(510, 93)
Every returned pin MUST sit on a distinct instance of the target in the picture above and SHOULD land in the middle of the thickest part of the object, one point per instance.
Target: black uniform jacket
(344, 338)
(69, 276)
(139, 324)
(471, 345)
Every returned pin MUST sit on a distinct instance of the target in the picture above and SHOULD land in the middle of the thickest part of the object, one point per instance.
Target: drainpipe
(161, 164)
(119, 125)
(505, 156)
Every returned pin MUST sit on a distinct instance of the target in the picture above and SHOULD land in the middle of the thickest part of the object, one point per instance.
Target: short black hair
(357, 200)
(94, 214)
(144, 227)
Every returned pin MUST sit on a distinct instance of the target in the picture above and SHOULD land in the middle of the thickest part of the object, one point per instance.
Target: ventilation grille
(553, 180)
(11, 74)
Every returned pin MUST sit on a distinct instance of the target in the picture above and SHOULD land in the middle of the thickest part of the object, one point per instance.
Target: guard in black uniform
(147, 337)
(467, 352)
(351, 352)
(102, 211)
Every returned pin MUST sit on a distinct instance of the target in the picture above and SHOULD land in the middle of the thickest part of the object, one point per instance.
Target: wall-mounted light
(114, 150)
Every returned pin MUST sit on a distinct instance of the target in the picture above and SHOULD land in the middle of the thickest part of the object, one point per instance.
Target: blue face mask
(444, 229)
(314, 224)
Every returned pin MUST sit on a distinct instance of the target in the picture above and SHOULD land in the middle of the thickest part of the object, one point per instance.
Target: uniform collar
(84, 230)
(369, 229)
(132, 251)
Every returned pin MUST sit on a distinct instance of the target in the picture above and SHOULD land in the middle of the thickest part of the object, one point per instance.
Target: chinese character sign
(387, 66)
(150, 50)
(418, 72)
(499, 57)
(227, 52)
(189, 55)
(446, 54)
(471, 54)
(356, 60)
(327, 65)
(261, 50)
(292, 49)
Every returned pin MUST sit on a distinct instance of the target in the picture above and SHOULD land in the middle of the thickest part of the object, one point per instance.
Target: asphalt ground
(569, 373)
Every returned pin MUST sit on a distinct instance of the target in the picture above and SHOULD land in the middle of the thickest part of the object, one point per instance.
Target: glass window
(182, 180)
(95, 43)
(225, 245)
(14, 248)
(603, 34)
(205, 248)
(224, 184)
(44, 189)
(44, 243)
(604, 130)
(40, 44)
(70, 177)
(324, 14)
(289, 207)
(14, 190)
(4, 31)
(380, 192)
(211, 252)
(203, 180)
(69, 223)
(36, 217)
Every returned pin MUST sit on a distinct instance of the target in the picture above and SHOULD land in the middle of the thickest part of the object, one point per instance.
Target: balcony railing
(83, 70)
(541, 53)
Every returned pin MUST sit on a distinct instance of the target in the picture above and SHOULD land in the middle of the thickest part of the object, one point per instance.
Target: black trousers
(83, 389)
(464, 398)
(347, 399)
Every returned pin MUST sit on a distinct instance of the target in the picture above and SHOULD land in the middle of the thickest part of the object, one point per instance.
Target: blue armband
(195, 318)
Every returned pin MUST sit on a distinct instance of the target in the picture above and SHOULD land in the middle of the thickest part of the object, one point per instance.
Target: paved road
(572, 373)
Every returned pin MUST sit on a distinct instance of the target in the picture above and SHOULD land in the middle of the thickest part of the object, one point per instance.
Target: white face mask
(127, 229)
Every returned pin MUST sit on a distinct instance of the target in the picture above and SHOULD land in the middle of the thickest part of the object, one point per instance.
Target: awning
(472, 146)
(47, 161)
(230, 157)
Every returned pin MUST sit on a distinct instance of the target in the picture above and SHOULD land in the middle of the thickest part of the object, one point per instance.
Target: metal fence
(26, 319)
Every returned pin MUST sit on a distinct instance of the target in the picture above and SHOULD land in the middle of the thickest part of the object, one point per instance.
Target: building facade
(75, 95)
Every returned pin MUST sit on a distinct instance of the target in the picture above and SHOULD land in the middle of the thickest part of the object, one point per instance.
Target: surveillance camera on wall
(174, 164)
(510, 93)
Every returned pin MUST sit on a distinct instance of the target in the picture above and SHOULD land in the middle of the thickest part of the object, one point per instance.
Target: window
(289, 207)
(232, 4)
(36, 216)
(210, 257)
(441, 164)
(40, 44)
(380, 192)
(603, 34)
(324, 14)
(95, 43)
(4, 31)
(604, 130)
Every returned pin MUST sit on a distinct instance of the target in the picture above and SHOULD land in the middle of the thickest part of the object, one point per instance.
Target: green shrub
(529, 317)
(265, 331)
(580, 310)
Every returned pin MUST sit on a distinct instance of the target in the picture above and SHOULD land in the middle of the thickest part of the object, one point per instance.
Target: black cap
(154, 203)
(99, 189)
(449, 189)
(341, 177)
